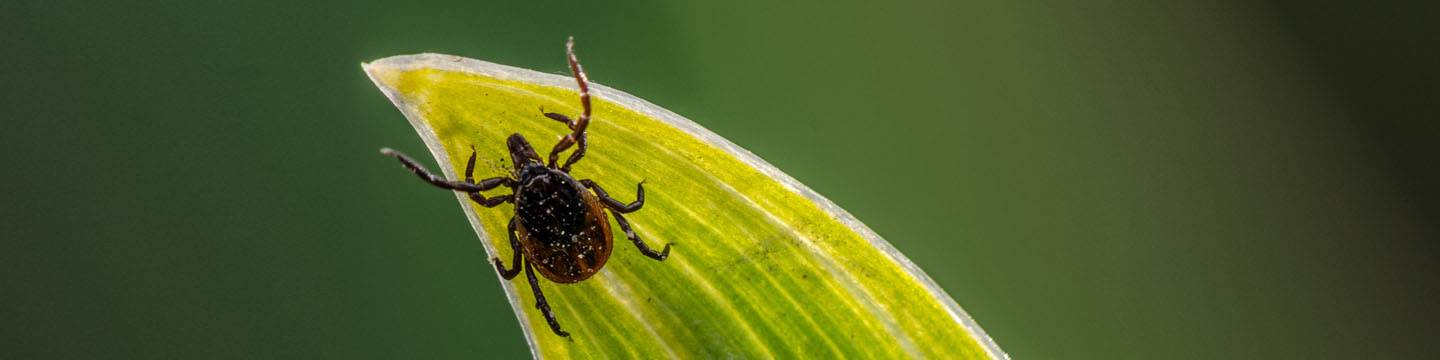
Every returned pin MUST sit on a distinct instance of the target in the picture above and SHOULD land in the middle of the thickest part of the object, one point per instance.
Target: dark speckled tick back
(559, 225)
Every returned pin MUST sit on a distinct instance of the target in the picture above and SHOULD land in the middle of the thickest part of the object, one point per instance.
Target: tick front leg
(580, 123)
(644, 249)
(559, 117)
(574, 138)
(487, 183)
(440, 181)
(579, 151)
(616, 205)
(580, 141)
(540, 303)
(560, 146)
(515, 247)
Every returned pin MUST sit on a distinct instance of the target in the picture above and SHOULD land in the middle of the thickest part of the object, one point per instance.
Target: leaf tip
(381, 74)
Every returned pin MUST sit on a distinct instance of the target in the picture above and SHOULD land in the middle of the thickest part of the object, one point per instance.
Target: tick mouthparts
(387, 151)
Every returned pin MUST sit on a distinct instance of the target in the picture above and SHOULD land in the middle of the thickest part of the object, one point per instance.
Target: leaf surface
(762, 266)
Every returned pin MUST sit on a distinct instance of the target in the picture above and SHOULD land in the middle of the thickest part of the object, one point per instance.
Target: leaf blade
(762, 266)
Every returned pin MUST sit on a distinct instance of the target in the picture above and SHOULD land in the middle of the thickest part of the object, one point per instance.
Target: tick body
(560, 227)
(561, 223)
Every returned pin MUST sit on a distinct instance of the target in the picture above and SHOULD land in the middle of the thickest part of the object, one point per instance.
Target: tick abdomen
(569, 238)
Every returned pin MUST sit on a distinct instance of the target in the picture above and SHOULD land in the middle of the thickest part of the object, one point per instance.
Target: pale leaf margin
(453, 63)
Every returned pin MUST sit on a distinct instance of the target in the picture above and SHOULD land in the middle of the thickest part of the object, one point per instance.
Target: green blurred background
(1118, 179)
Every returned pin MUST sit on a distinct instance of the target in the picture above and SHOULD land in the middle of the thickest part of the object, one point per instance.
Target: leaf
(762, 266)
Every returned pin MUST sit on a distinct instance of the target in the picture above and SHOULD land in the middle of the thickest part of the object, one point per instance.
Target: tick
(559, 226)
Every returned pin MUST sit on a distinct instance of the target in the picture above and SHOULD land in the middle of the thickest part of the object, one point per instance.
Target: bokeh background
(1113, 179)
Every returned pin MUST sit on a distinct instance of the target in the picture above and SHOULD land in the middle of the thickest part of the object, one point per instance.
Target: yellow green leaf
(762, 266)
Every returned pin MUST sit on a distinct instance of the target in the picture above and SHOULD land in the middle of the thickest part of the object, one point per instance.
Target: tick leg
(579, 124)
(514, 246)
(575, 156)
(579, 152)
(560, 146)
(558, 117)
(540, 303)
(440, 181)
(491, 182)
(584, 82)
(617, 208)
(616, 205)
(644, 249)
(491, 202)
